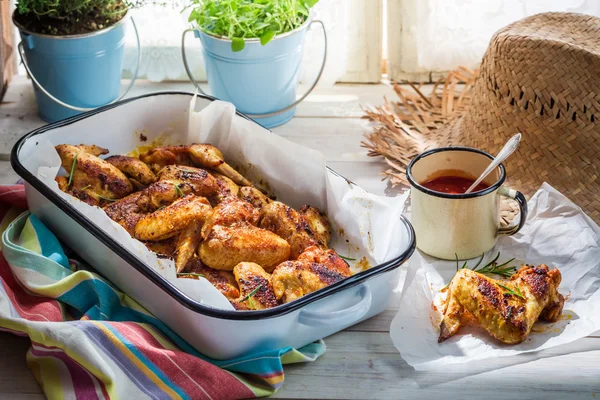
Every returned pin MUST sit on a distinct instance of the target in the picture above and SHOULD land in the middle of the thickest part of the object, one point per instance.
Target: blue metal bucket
(261, 81)
(77, 73)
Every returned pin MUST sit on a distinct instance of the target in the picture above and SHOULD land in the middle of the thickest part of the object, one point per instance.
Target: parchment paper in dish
(366, 227)
(558, 234)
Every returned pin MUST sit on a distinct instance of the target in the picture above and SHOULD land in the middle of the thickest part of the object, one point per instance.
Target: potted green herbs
(73, 51)
(252, 53)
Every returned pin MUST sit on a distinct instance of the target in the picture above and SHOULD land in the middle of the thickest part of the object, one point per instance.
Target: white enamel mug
(463, 225)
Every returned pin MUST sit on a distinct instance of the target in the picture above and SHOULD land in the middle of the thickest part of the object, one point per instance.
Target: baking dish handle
(342, 317)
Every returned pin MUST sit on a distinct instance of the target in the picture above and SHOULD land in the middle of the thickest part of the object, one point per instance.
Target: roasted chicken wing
(126, 212)
(507, 310)
(169, 221)
(318, 223)
(290, 225)
(159, 157)
(315, 269)
(226, 246)
(188, 242)
(92, 175)
(224, 281)
(231, 237)
(138, 172)
(253, 196)
(202, 155)
(256, 291)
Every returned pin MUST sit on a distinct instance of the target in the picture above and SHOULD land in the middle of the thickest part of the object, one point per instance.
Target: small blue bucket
(261, 81)
(76, 73)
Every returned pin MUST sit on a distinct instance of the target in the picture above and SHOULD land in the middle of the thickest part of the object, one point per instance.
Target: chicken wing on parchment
(507, 310)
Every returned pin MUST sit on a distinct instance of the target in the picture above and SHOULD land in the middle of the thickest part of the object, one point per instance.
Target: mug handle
(520, 199)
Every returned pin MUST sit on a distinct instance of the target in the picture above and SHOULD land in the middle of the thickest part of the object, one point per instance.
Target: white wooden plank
(365, 41)
(367, 365)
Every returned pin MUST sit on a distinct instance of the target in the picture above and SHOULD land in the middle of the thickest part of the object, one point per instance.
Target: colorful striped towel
(91, 341)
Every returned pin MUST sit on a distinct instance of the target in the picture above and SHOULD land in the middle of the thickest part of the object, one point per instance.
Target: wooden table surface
(361, 362)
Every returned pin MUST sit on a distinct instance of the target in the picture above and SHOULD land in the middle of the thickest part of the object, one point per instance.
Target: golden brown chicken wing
(224, 281)
(318, 223)
(253, 196)
(506, 310)
(135, 169)
(93, 149)
(256, 291)
(290, 225)
(92, 175)
(169, 221)
(227, 187)
(188, 242)
(314, 270)
(192, 180)
(125, 212)
(202, 155)
(209, 156)
(226, 246)
(159, 157)
(231, 212)
(165, 248)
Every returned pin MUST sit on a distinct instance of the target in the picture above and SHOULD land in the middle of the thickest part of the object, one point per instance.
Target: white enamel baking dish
(216, 333)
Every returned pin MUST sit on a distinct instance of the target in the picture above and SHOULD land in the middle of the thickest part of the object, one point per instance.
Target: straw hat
(540, 76)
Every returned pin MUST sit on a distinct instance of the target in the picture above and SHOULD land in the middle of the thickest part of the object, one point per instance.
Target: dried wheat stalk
(411, 125)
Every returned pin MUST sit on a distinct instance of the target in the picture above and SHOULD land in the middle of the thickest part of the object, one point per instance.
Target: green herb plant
(64, 17)
(249, 19)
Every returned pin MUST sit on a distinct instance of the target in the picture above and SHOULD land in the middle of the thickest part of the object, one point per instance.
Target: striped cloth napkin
(91, 341)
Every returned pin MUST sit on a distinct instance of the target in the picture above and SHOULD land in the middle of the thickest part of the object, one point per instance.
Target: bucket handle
(282, 110)
(83, 109)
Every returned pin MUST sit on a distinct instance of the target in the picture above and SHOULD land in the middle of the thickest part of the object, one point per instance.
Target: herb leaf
(516, 292)
(106, 198)
(249, 19)
(72, 170)
(346, 258)
(489, 269)
(179, 191)
(249, 296)
(189, 274)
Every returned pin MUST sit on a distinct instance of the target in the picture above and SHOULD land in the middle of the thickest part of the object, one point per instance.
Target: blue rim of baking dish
(157, 279)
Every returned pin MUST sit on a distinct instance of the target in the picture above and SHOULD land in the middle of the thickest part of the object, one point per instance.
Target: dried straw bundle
(412, 125)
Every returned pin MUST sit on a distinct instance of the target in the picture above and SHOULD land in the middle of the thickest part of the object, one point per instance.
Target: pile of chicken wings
(188, 204)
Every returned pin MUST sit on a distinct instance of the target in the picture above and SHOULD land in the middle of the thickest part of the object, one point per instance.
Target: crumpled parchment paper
(557, 233)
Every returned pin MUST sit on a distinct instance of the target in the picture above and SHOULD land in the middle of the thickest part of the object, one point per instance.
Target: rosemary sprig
(106, 198)
(72, 170)
(179, 191)
(516, 292)
(346, 258)
(489, 269)
(249, 296)
(190, 274)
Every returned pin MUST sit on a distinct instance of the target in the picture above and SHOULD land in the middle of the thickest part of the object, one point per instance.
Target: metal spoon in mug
(506, 151)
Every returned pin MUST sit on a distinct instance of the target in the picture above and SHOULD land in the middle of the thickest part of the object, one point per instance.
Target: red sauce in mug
(452, 184)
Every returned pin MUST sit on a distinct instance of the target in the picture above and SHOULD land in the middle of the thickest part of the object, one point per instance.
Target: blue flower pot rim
(77, 36)
(257, 40)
